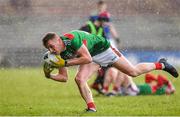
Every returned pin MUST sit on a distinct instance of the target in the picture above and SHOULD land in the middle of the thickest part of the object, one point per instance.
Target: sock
(116, 89)
(91, 105)
(159, 66)
(106, 88)
(95, 86)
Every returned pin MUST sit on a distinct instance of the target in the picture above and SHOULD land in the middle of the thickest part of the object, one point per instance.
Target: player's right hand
(48, 68)
(59, 63)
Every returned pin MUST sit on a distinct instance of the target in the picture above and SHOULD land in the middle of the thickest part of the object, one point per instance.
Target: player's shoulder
(75, 31)
(72, 34)
(69, 36)
(79, 32)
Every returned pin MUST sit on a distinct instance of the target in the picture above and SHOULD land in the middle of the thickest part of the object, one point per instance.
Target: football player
(92, 51)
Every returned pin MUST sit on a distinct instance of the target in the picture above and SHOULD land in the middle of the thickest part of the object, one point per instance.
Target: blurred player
(109, 29)
(156, 85)
(153, 85)
(116, 78)
(100, 24)
(110, 34)
(96, 25)
(90, 52)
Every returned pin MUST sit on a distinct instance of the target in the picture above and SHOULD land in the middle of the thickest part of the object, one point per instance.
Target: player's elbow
(88, 60)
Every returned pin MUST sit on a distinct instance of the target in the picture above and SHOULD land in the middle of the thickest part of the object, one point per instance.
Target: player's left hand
(60, 63)
(47, 69)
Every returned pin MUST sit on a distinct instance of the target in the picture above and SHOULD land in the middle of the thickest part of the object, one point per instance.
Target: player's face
(106, 24)
(102, 7)
(54, 45)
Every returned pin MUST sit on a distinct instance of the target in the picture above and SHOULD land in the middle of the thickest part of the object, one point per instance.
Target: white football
(50, 58)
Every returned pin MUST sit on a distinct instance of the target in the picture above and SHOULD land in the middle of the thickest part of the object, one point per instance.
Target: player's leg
(98, 83)
(127, 85)
(103, 77)
(110, 76)
(84, 73)
(118, 81)
(126, 67)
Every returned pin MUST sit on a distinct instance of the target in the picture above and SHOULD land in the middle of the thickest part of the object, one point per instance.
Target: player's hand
(47, 69)
(60, 63)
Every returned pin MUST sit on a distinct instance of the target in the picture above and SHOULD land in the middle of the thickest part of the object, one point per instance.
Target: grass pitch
(26, 92)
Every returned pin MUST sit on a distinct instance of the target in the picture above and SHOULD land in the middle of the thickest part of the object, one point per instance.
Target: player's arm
(84, 57)
(61, 76)
(114, 33)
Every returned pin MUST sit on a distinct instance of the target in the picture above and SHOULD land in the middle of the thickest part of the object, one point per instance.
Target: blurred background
(148, 29)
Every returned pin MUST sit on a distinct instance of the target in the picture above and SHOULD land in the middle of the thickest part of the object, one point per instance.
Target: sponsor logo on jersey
(67, 42)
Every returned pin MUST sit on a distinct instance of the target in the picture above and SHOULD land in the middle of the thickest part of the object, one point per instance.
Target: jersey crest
(67, 42)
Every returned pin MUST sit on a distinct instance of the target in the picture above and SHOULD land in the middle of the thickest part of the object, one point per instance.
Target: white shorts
(106, 58)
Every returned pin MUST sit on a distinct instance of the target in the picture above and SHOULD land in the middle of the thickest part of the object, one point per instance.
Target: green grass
(25, 91)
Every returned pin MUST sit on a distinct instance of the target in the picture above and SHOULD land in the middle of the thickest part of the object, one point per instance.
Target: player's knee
(79, 80)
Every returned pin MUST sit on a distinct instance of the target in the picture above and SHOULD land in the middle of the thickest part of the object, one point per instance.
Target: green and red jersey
(75, 39)
(146, 89)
